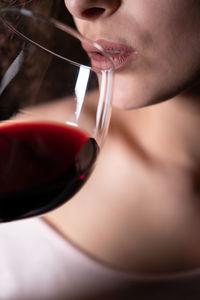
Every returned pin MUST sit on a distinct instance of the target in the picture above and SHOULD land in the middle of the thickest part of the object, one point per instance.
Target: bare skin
(140, 209)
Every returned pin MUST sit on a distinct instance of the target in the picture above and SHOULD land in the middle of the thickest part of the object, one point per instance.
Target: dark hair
(29, 82)
(7, 42)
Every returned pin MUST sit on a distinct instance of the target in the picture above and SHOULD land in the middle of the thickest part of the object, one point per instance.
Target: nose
(92, 9)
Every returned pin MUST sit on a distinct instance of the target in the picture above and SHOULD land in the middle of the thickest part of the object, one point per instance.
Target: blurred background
(36, 82)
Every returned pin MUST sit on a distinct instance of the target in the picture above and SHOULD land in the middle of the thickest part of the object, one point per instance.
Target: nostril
(93, 12)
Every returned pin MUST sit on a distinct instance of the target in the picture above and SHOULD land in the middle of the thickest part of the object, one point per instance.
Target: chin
(131, 93)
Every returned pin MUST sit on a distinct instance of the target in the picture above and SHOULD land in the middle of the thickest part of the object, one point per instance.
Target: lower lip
(101, 62)
(119, 54)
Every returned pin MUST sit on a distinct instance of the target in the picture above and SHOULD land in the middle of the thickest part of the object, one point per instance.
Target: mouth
(118, 53)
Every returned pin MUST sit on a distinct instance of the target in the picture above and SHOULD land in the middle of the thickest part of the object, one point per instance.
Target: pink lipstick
(119, 54)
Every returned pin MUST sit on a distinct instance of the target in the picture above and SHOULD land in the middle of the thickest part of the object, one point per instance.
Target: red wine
(41, 166)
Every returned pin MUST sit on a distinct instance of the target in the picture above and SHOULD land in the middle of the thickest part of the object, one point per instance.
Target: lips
(119, 54)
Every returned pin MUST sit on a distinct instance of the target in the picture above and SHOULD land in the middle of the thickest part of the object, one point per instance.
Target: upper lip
(115, 48)
(117, 52)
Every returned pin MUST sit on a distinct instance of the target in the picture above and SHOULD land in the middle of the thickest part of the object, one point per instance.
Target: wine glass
(54, 112)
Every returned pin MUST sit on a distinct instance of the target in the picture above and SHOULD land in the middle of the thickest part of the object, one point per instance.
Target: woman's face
(155, 45)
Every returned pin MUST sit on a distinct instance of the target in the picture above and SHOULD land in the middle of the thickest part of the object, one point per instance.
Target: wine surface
(42, 165)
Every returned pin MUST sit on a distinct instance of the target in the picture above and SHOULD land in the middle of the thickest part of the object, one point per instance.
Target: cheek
(169, 61)
(168, 65)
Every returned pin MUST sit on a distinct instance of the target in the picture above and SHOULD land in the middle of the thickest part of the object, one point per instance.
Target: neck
(170, 130)
(138, 216)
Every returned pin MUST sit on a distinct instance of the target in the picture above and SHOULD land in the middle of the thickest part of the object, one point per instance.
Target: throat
(142, 214)
(170, 133)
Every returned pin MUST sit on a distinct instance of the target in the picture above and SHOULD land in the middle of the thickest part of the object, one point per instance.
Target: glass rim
(61, 26)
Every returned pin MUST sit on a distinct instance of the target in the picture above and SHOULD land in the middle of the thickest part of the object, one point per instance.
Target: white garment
(37, 263)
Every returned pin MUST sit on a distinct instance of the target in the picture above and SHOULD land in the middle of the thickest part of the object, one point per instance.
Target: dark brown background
(34, 84)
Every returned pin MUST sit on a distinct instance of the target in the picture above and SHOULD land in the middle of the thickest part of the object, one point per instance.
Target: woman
(138, 217)
(149, 205)
(147, 215)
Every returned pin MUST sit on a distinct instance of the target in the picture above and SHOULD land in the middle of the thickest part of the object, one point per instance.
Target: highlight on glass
(55, 109)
